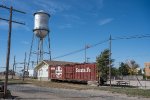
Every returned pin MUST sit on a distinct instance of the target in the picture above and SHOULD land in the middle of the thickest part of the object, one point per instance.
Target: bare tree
(132, 67)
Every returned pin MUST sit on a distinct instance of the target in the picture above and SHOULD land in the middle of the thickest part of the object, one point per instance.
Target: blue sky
(74, 23)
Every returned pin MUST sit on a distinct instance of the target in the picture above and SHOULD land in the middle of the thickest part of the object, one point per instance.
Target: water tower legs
(40, 51)
(49, 47)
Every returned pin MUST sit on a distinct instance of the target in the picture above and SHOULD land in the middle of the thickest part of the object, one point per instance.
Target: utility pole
(24, 67)
(110, 59)
(88, 60)
(86, 47)
(8, 52)
(85, 54)
(14, 67)
(9, 42)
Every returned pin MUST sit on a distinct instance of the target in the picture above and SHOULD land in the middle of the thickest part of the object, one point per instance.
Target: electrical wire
(117, 38)
(132, 37)
(74, 52)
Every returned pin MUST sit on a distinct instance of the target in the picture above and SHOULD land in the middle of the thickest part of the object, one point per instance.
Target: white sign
(52, 68)
(58, 72)
(83, 69)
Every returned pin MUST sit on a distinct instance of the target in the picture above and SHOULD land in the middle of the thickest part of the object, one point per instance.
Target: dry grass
(128, 91)
(60, 85)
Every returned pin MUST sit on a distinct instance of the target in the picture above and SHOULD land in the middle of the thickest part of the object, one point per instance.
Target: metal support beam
(38, 49)
(24, 67)
(12, 21)
(41, 50)
(2, 6)
(30, 52)
(49, 47)
(110, 59)
(14, 67)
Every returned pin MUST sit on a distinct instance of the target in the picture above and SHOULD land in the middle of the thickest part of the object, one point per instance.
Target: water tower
(41, 19)
(41, 30)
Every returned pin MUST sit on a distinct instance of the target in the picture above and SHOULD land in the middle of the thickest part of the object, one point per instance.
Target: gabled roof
(52, 63)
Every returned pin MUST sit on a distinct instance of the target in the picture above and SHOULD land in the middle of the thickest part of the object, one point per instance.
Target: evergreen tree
(103, 64)
(114, 71)
(123, 69)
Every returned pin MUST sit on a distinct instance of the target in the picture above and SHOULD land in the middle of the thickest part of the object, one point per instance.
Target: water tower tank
(41, 19)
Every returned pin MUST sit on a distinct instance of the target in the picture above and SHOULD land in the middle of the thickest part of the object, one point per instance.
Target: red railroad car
(76, 72)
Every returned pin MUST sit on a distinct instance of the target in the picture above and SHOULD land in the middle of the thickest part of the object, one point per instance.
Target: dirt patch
(61, 85)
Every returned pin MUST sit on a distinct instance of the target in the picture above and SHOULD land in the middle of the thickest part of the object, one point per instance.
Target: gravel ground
(29, 92)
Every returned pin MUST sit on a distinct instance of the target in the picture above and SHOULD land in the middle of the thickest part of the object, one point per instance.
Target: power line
(117, 38)
(99, 43)
(74, 52)
(132, 37)
(69, 53)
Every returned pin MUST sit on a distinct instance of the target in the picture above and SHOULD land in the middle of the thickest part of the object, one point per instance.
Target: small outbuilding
(32, 73)
(42, 68)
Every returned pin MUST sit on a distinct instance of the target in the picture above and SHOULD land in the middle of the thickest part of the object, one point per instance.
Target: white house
(42, 68)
